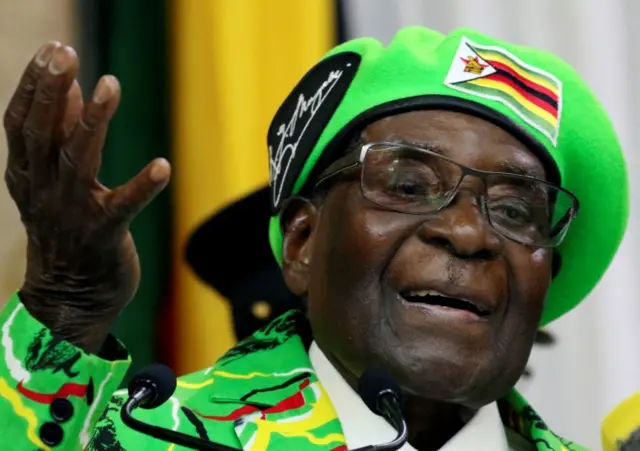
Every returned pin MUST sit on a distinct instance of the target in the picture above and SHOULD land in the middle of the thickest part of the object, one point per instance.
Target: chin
(464, 381)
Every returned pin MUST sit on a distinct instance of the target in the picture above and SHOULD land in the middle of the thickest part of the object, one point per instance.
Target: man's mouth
(433, 297)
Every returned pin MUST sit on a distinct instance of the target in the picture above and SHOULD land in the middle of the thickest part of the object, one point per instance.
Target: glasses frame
(356, 159)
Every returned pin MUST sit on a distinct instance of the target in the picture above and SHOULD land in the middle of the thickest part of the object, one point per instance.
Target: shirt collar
(362, 427)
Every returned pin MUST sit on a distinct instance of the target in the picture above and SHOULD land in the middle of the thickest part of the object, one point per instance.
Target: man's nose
(462, 228)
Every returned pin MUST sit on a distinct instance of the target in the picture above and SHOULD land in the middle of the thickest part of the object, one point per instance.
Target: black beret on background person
(230, 252)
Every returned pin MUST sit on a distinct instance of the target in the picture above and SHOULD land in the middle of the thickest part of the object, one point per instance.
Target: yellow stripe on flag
(532, 107)
(527, 75)
(234, 62)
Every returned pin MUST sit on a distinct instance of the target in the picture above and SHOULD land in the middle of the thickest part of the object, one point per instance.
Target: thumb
(127, 201)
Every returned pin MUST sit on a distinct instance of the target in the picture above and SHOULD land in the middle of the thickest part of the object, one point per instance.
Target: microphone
(151, 388)
(621, 427)
(155, 384)
(632, 443)
(383, 396)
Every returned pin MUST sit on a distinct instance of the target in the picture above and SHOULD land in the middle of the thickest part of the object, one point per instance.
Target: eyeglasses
(413, 180)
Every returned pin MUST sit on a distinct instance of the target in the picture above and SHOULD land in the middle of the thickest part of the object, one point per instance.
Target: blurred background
(201, 80)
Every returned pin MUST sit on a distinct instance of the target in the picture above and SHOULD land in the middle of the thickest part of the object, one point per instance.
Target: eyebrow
(504, 166)
(423, 145)
(517, 169)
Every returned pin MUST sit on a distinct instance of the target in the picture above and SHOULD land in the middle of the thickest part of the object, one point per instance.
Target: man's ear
(299, 221)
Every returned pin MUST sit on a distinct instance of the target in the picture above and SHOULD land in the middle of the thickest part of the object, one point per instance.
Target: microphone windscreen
(158, 377)
(632, 443)
(372, 384)
(620, 428)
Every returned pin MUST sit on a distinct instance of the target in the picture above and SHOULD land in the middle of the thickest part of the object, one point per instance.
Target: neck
(431, 423)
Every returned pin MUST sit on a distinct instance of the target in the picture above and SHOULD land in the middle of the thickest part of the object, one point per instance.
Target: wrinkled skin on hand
(82, 264)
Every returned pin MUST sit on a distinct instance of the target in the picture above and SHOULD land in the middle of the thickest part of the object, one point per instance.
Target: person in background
(434, 201)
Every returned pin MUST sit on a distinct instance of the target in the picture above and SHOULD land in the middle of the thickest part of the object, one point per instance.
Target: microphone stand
(394, 415)
(392, 412)
(390, 404)
(166, 435)
(153, 387)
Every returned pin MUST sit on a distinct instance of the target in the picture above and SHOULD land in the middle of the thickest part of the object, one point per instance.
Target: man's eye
(514, 211)
(406, 188)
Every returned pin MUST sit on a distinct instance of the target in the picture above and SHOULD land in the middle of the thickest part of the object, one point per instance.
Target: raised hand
(82, 265)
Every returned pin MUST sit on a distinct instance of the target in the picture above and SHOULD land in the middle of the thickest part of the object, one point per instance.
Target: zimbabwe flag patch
(495, 74)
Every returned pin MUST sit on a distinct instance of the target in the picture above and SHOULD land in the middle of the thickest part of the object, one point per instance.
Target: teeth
(424, 293)
(414, 295)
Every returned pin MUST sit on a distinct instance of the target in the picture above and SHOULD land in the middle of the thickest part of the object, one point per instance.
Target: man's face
(357, 263)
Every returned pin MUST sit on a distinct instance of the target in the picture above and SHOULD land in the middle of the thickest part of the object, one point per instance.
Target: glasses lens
(408, 179)
(529, 211)
(413, 180)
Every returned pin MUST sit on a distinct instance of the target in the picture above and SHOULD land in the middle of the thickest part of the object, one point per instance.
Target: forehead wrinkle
(523, 161)
(514, 168)
(527, 165)
(421, 143)
(511, 167)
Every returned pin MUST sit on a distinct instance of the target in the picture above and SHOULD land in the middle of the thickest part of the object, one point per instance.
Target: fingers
(46, 115)
(69, 109)
(80, 157)
(125, 202)
(73, 110)
(20, 103)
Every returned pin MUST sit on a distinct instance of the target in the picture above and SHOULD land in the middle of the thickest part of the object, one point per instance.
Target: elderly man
(425, 201)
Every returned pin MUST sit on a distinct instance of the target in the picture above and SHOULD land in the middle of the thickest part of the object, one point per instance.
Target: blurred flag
(233, 63)
(128, 39)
